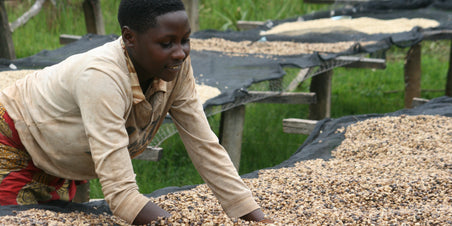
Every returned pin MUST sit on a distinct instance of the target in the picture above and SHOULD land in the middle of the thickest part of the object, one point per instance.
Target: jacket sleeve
(103, 103)
(209, 158)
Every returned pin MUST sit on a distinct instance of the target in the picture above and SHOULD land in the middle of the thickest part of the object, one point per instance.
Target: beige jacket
(78, 121)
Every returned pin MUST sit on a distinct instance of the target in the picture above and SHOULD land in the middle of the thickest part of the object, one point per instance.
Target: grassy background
(354, 91)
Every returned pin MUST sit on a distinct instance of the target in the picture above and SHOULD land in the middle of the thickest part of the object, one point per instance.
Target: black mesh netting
(385, 10)
(319, 144)
(50, 57)
(232, 75)
(405, 4)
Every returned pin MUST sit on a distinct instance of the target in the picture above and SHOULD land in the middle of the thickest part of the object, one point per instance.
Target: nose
(180, 52)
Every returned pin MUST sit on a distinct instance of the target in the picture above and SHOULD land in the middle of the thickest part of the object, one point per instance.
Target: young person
(87, 116)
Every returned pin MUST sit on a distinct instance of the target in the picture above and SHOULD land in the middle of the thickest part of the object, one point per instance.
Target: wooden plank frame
(334, 1)
(282, 97)
(362, 62)
(299, 126)
(418, 101)
(151, 154)
(247, 25)
(66, 38)
(233, 120)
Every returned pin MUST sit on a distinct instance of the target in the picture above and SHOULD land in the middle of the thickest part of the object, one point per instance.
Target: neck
(144, 80)
(145, 84)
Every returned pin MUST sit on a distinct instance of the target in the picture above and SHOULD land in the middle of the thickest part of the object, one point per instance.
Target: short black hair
(140, 15)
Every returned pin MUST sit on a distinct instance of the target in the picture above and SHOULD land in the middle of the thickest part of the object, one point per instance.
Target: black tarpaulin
(318, 145)
(234, 74)
(230, 74)
(325, 138)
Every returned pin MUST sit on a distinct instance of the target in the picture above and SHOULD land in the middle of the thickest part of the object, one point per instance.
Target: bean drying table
(323, 189)
(234, 74)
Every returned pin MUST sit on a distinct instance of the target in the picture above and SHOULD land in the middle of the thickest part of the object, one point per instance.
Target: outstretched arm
(209, 158)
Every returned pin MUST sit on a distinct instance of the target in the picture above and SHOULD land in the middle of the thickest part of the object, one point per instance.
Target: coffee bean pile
(270, 48)
(387, 171)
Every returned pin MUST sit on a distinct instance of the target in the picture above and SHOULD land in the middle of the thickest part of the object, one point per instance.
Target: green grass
(223, 14)
(354, 91)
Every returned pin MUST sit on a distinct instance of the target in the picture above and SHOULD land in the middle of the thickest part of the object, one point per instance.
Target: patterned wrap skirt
(21, 182)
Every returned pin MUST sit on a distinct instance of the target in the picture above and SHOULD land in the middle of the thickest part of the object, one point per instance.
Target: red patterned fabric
(21, 182)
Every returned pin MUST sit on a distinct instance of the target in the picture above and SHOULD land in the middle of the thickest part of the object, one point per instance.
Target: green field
(355, 91)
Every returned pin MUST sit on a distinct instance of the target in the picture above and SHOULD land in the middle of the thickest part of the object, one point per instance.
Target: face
(161, 50)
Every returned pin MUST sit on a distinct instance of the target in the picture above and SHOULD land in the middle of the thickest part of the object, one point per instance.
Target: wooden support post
(412, 74)
(449, 74)
(6, 42)
(93, 17)
(231, 132)
(192, 8)
(321, 86)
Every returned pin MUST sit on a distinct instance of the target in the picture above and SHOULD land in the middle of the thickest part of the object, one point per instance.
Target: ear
(128, 35)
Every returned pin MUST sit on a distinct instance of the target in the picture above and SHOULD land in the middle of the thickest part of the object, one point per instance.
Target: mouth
(174, 67)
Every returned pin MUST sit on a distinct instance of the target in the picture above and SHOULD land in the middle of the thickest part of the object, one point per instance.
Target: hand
(256, 215)
(149, 213)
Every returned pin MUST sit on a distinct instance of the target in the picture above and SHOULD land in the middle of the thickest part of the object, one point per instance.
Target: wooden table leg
(449, 74)
(412, 74)
(231, 132)
(321, 86)
(93, 17)
(6, 42)
(192, 9)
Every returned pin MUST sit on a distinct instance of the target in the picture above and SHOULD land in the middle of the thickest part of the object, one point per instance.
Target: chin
(168, 78)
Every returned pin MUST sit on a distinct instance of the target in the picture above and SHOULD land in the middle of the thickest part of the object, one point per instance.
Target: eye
(185, 41)
(166, 44)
